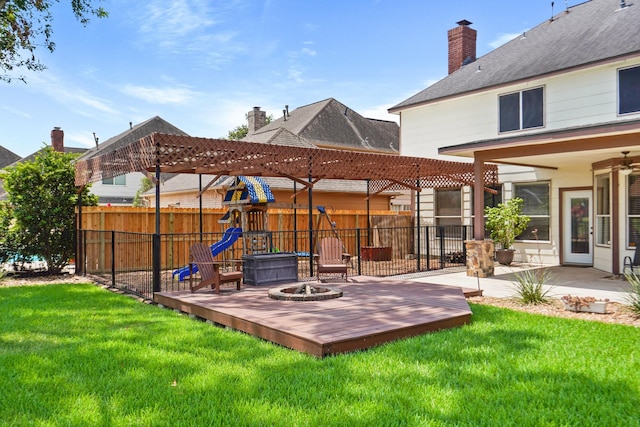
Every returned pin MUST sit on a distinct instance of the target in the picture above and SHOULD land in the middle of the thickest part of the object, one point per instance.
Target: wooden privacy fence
(187, 220)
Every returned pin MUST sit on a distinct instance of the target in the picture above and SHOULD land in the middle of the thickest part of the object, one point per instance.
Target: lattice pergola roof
(185, 154)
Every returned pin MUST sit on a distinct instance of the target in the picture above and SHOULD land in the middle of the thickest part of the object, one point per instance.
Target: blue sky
(203, 64)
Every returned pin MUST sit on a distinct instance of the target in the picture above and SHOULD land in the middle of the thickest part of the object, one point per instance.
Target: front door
(577, 228)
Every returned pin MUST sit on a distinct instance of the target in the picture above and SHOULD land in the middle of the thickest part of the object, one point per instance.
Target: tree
(38, 218)
(26, 24)
(241, 131)
(145, 185)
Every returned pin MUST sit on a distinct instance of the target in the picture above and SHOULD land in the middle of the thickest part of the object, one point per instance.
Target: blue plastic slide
(228, 239)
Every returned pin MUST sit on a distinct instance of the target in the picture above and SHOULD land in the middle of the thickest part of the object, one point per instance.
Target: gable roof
(584, 34)
(7, 157)
(154, 124)
(329, 124)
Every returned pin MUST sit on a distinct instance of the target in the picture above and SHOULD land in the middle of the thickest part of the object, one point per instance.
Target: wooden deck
(372, 311)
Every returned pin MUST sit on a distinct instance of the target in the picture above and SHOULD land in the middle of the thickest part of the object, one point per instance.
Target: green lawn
(79, 355)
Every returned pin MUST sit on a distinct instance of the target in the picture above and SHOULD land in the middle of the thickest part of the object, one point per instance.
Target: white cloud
(160, 95)
(85, 139)
(308, 51)
(380, 112)
(72, 95)
(193, 27)
(502, 39)
(17, 112)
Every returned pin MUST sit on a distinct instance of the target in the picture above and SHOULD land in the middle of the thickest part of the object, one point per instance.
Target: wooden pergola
(162, 153)
(184, 154)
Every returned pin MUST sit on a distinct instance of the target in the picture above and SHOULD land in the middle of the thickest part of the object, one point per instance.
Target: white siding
(129, 190)
(578, 98)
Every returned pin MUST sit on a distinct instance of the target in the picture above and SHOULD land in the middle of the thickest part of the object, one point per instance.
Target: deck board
(372, 311)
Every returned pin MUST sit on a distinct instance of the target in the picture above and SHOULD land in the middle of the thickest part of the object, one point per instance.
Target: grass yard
(80, 355)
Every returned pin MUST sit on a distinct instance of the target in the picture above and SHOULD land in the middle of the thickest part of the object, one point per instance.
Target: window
(449, 210)
(490, 200)
(449, 207)
(629, 90)
(521, 110)
(633, 210)
(603, 212)
(118, 180)
(536, 206)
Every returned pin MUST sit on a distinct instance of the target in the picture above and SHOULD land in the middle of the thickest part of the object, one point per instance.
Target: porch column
(478, 199)
(480, 252)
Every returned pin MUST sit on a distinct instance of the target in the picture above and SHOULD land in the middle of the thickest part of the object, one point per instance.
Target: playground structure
(247, 198)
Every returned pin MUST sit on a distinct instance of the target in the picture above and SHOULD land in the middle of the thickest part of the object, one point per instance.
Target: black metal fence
(124, 260)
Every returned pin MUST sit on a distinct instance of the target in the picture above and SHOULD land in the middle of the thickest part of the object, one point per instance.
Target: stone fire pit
(305, 292)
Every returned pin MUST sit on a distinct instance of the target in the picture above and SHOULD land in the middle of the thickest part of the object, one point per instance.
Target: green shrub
(529, 285)
(633, 298)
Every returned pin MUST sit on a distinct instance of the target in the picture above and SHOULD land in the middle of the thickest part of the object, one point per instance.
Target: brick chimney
(256, 119)
(57, 139)
(462, 45)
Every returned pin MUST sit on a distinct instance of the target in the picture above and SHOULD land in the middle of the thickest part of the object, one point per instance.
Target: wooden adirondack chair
(331, 258)
(209, 268)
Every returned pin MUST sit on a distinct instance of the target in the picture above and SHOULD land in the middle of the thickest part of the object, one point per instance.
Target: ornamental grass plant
(81, 355)
(633, 298)
(530, 285)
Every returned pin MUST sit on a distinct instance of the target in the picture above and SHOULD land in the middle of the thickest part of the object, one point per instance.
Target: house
(323, 124)
(558, 109)
(122, 189)
(7, 158)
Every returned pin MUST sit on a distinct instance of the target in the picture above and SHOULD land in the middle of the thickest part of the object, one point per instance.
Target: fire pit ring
(305, 292)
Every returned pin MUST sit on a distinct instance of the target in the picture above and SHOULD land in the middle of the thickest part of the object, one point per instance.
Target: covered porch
(593, 210)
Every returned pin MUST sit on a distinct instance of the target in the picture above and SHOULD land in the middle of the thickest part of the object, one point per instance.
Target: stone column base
(479, 257)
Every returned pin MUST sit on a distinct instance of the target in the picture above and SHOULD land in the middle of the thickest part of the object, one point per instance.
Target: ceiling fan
(626, 165)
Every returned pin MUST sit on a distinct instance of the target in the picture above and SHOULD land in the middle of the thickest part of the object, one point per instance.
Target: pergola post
(200, 204)
(156, 237)
(311, 248)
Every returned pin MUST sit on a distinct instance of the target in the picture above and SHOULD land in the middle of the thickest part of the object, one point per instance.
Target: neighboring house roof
(585, 34)
(329, 124)
(7, 157)
(31, 157)
(134, 133)
(189, 182)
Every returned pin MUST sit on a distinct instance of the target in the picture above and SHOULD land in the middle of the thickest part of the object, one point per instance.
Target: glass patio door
(577, 236)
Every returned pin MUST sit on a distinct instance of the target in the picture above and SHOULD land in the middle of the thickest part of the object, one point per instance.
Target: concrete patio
(579, 281)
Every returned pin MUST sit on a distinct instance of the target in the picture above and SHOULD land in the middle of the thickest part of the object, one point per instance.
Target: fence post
(441, 229)
(80, 270)
(113, 258)
(428, 241)
(156, 263)
(464, 247)
(358, 251)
